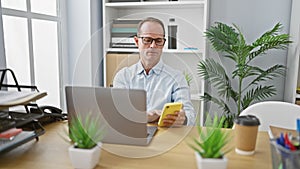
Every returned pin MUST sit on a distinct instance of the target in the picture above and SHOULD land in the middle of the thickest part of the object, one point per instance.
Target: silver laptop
(121, 112)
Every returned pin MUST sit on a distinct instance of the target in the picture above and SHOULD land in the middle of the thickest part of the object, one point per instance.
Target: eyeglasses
(149, 40)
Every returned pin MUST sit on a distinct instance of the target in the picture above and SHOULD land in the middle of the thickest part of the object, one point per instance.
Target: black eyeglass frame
(152, 39)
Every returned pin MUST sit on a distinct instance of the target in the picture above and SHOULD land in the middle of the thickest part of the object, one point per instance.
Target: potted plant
(231, 44)
(210, 145)
(86, 137)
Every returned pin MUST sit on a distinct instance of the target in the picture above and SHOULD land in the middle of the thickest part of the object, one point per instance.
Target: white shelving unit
(297, 96)
(191, 18)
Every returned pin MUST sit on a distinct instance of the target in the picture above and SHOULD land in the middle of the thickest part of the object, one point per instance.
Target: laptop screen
(122, 112)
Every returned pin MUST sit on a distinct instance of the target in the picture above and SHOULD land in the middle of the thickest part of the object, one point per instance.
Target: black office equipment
(6, 124)
(50, 114)
(26, 120)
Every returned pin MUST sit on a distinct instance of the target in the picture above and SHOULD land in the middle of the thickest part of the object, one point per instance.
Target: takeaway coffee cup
(246, 128)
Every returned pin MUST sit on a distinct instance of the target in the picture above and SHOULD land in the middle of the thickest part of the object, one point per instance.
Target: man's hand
(153, 115)
(177, 119)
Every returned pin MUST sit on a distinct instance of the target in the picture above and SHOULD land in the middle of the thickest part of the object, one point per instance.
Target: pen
(281, 139)
(288, 144)
(298, 130)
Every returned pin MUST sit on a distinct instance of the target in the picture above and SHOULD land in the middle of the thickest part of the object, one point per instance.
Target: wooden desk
(51, 151)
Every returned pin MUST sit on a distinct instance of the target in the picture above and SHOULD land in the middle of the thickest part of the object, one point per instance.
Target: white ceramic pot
(210, 163)
(85, 158)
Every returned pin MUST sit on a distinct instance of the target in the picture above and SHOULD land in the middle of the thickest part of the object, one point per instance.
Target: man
(162, 83)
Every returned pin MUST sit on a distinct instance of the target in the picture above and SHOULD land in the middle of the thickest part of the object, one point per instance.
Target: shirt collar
(140, 68)
(157, 69)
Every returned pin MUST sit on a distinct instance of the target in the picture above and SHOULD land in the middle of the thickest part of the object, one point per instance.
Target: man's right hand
(153, 115)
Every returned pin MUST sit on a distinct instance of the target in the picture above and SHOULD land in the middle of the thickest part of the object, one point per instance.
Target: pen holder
(283, 158)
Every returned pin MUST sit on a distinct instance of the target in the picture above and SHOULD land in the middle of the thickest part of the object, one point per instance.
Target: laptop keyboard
(151, 130)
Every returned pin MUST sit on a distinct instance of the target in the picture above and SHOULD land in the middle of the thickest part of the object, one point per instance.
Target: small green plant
(85, 134)
(212, 139)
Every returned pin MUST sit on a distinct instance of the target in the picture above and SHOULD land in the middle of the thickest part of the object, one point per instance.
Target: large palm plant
(230, 42)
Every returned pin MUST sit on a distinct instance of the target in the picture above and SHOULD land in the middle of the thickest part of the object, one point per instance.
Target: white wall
(2, 51)
(84, 42)
(79, 34)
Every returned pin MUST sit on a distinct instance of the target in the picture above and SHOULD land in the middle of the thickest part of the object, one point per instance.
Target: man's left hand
(177, 119)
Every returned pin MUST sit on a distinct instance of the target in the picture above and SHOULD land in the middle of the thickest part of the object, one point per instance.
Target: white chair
(276, 113)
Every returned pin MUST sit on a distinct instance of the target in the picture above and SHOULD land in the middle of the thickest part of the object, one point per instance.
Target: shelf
(183, 51)
(157, 4)
(124, 50)
(135, 50)
(33, 132)
(19, 139)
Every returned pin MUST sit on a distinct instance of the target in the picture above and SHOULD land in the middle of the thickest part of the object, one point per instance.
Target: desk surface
(51, 151)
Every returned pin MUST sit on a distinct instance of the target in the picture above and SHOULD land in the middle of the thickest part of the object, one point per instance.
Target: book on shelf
(124, 0)
(122, 40)
(124, 30)
(126, 21)
(123, 45)
(124, 25)
(122, 33)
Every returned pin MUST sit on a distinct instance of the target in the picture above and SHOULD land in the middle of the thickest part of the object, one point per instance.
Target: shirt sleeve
(120, 80)
(181, 93)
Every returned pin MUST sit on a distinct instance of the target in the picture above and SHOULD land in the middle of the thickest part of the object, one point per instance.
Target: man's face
(150, 51)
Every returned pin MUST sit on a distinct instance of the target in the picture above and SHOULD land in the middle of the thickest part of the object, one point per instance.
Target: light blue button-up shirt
(163, 84)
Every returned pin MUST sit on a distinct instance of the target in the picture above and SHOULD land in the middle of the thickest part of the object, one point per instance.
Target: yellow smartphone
(169, 108)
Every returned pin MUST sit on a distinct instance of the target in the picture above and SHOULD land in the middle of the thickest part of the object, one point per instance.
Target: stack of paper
(14, 98)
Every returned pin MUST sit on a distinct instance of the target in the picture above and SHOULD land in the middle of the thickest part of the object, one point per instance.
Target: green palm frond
(221, 104)
(241, 49)
(222, 37)
(241, 70)
(271, 33)
(250, 71)
(264, 75)
(229, 118)
(270, 40)
(257, 94)
(215, 74)
(274, 31)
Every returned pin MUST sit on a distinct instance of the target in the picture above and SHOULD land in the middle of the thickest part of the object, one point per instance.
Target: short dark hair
(150, 19)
